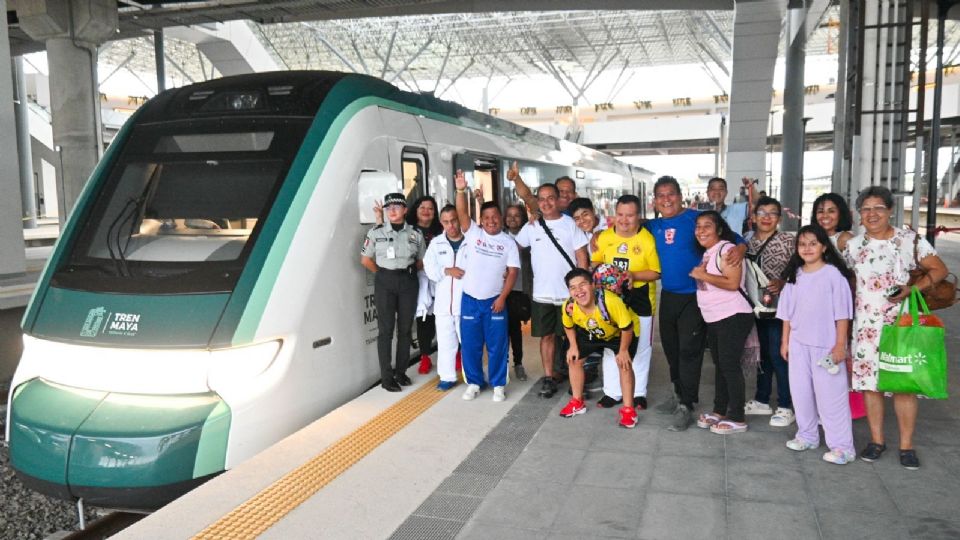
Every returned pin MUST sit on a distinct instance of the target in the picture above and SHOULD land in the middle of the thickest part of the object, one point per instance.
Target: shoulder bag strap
(543, 223)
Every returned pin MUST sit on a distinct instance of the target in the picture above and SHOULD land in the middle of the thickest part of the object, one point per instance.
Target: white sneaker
(782, 418)
(755, 407)
(499, 394)
(471, 392)
(799, 445)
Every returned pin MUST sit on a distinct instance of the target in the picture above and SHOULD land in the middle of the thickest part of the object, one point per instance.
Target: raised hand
(460, 180)
(378, 212)
(513, 173)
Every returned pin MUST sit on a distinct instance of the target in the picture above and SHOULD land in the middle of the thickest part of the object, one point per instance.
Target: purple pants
(818, 395)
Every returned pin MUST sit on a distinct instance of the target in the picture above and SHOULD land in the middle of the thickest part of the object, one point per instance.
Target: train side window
(413, 163)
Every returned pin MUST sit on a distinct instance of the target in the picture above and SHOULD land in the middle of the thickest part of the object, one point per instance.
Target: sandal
(728, 427)
(708, 420)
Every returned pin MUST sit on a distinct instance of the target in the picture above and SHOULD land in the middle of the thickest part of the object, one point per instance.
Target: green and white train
(205, 299)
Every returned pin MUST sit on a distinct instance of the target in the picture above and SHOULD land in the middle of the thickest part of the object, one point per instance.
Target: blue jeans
(770, 331)
(480, 326)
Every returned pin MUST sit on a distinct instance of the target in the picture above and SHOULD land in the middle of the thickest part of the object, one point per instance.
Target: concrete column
(28, 194)
(756, 32)
(72, 30)
(791, 171)
(76, 119)
(12, 255)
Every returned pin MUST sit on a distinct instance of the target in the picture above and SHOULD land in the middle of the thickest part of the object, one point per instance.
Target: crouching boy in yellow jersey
(595, 320)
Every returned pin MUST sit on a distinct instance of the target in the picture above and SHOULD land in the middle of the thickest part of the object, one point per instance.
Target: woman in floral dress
(882, 257)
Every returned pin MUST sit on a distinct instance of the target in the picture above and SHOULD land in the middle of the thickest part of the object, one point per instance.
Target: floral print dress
(879, 265)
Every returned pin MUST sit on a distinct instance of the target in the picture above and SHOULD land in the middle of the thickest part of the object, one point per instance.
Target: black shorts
(588, 346)
(546, 320)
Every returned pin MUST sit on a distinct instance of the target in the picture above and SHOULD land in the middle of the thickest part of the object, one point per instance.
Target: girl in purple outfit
(816, 307)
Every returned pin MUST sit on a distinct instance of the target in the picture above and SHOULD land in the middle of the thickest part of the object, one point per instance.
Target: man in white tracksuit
(441, 265)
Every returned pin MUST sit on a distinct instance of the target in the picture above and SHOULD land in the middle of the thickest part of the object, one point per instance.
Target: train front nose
(112, 449)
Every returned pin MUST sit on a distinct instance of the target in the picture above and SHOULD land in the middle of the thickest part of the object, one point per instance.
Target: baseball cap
(394, 198)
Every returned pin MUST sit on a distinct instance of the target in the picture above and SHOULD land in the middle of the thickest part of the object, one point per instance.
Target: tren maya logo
(99, 321)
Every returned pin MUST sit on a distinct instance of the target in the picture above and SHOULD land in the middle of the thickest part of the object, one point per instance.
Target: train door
(482, 173)
(408, 152)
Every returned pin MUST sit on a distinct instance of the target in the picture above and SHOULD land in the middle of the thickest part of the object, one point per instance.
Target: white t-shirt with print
(485, 261)
(549, 266)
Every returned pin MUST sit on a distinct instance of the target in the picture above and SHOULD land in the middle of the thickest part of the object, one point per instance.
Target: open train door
(483, 173)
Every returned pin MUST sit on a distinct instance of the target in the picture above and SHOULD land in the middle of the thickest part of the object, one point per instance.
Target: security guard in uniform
(394, 252)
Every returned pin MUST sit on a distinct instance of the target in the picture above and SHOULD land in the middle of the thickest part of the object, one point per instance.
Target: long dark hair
(830, 255)
(845, 222)
(434, 228)
(723, 229)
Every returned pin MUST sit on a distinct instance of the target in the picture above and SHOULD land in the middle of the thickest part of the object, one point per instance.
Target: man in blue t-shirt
(682, 329)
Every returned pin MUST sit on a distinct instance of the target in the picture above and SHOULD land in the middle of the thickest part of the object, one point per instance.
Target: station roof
(408, 40)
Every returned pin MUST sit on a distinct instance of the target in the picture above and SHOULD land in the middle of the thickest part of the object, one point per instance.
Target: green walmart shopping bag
(913, 357)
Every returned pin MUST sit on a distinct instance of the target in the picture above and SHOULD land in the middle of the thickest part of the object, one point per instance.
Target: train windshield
(182, 207)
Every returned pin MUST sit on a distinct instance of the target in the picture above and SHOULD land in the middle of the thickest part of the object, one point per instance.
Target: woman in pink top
(729, 319)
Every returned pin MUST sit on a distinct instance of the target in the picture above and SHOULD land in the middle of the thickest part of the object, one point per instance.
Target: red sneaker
(574, 407)
(628, 417)
(459, 366)
(425, 365)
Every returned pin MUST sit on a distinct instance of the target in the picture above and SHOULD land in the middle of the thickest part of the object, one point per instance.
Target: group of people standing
(591, 290)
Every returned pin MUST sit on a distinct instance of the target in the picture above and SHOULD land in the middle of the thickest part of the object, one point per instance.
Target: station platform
(425, 464)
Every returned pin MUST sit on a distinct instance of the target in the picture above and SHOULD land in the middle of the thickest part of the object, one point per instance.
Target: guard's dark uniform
(395, 287)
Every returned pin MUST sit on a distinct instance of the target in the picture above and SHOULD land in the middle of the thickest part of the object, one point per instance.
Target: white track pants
(641, 364)
(448, 341)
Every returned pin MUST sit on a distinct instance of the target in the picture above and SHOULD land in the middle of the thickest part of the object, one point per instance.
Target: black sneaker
(607, 402)
(909, 460)
(521, 373)
(402, 379)
(872, 452)
(548, 387)
(640, 402)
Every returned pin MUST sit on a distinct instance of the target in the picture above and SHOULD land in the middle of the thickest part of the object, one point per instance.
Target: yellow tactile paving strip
(261, 511)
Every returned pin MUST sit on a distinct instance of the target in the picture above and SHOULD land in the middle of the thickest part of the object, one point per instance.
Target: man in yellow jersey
(597, 320)
(631, 249)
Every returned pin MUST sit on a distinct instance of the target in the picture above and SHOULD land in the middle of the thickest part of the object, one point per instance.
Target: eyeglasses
(873, 209)
(764, 213)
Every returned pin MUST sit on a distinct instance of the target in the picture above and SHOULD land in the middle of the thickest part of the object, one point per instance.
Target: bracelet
(461, 190)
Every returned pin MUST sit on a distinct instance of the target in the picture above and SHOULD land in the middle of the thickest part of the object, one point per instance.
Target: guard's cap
(394, 198)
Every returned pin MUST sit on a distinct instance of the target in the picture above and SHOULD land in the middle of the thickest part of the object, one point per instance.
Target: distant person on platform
(394, 253)
(735, 214)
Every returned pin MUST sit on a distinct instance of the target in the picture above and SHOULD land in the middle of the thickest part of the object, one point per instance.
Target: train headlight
(232, 366)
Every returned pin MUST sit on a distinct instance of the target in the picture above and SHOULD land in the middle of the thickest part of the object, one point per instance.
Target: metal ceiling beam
(717, 31)
(119, 67)
(386, 61)
(455, 79)
(442, 67)
(363, 63)
(336, 52)
(411, 60)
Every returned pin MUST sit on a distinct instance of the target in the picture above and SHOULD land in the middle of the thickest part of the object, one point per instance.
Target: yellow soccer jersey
(633, 254)
(621, 318)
